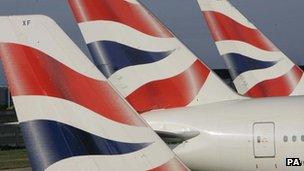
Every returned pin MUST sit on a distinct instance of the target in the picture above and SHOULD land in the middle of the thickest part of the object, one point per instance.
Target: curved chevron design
(161, 93)
(151, 69)
(63, 141)
(63, 83)
(280, 86)
(70, 116)
(117, 56)
(240, 64)
(107, 10)
(226, 28)
(258, 67)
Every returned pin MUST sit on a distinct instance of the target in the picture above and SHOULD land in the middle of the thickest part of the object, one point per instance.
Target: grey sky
(280, 20)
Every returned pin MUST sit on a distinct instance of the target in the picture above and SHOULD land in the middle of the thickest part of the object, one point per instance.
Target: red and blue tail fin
(70, 116)
(258, 67)
(149, 66)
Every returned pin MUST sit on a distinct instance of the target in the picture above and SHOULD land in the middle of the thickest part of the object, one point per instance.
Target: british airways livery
(70, 116)
(149, 66)
(207, 125)
(257, 66)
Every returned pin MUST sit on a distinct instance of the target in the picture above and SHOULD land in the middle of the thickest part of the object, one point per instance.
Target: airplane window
(285, 138)
(294, 138)
(302, 137)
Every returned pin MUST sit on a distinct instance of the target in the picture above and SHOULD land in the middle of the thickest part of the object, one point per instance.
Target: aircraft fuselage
(240, 135)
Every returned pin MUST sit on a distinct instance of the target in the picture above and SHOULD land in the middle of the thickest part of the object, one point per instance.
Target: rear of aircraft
(142, 59)
(257, 66)
(70, 116)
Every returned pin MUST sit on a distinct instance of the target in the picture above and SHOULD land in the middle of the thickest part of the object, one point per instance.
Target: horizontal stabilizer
(176, 138)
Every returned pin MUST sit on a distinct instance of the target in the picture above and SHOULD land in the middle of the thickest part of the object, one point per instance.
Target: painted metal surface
(258, 67)
(148, 65)
(71, 118)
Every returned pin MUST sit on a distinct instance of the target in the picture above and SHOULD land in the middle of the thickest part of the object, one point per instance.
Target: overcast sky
(280, 20)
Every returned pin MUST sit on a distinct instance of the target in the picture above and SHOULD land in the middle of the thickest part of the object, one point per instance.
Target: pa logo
(293, 162)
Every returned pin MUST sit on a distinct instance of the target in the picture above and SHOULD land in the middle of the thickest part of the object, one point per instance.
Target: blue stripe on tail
(110, 56)
(238, 64)
(48, 142)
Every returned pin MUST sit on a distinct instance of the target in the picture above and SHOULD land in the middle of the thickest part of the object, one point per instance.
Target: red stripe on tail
(224, 28)
(32, 72)
(172, 92)
(133, 15)
(281, 86)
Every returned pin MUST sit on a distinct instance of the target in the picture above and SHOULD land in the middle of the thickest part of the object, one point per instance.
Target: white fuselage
(237, 135)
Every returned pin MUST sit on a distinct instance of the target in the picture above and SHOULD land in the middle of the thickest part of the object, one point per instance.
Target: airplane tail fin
(70, 116)
(149, 66)
(258, 67)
